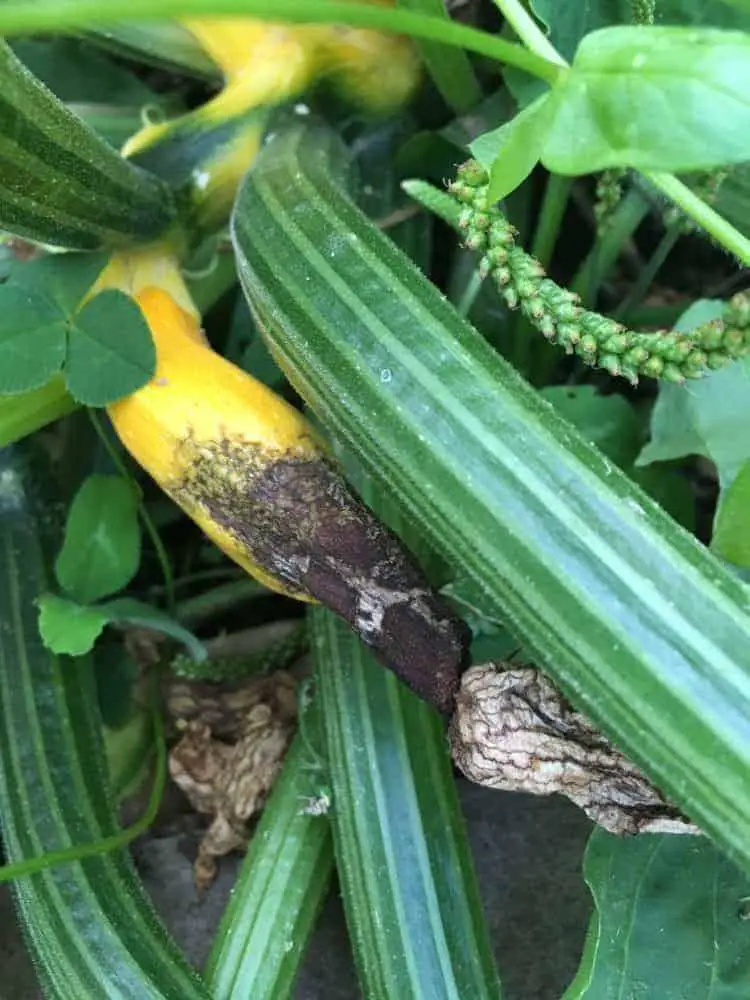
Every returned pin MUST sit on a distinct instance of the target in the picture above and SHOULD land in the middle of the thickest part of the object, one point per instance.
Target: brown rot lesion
(297, 518)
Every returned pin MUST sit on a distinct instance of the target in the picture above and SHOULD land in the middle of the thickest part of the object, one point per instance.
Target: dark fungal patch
(297, 519)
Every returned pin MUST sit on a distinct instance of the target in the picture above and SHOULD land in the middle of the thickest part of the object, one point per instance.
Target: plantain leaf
(669, 922)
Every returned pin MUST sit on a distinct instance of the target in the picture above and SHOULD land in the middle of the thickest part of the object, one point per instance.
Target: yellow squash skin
(200, 406)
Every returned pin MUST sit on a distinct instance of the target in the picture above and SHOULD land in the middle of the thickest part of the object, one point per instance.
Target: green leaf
(703, 418)
(403, 859)
(102, 546)
(89, 926)
(126, 610)
(449, 67)
(32, 339)
(22, 415)
(111, 351)
(68, 628)
(662, 99)
(646, 631)
(609, 422)
(731, 538)
(63, 279)
(265, 928)
(60, 183)
(512, 151)
(668, 922)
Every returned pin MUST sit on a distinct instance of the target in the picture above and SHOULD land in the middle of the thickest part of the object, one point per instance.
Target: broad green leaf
(707, 419)
(110, 352)
(512, 151)
(668, 922)
(22, 415)
(703, 418)
(609, 422)
(662, 99)
(102, 546)
(32, 339)
(126, 610)
(731, 538)
(68, 628)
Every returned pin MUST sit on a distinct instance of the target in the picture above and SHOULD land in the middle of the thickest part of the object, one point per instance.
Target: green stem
(449, 68)
(194, 610)
(22, 17)
(550, 217)
(652, 268)
(77, 852)
(529, 31)
(700, 212)
(464, 304)
(622, 224)
(151, 530)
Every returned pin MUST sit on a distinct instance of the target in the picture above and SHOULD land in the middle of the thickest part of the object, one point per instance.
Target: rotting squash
(255, 476)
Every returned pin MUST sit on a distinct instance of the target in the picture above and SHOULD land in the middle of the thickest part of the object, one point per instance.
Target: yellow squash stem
(251, 471)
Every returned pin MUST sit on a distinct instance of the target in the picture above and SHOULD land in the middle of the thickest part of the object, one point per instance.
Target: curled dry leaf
(513, 730)
(231, 750)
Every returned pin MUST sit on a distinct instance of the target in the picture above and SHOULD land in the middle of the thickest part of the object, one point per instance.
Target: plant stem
(700, 212)
(148, 523)
(622, 224)
(20, 16)
(550, 218)
(195, 610)
(464, 304)
(449, 68)
(652, 268)
(529, 31)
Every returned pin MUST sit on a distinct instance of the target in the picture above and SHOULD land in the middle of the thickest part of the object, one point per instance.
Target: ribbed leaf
(639, 623)
(91, 930)
(264, 932)
(59, 182)
(406, 875)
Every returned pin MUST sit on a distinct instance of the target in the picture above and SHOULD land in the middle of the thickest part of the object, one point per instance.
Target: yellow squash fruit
(251, 471)
(204, 429)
